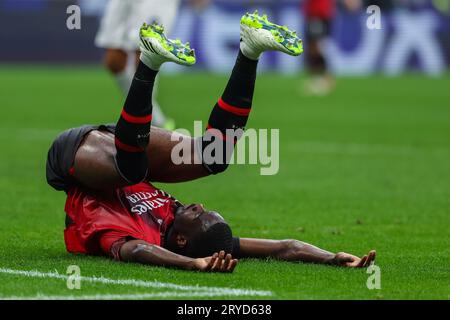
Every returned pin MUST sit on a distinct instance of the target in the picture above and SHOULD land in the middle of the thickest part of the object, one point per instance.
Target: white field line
(166, 294)
(140, 283)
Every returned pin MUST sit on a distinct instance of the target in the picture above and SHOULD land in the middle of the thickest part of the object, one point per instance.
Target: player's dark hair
(218, 237)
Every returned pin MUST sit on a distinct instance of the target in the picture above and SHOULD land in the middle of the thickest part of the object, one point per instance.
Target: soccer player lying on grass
(112, 208)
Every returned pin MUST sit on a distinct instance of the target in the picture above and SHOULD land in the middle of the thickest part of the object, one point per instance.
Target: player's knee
(215, 157)
(132, 167)
(215, 168)
(132, 175)
(116, 61)
(214, 163)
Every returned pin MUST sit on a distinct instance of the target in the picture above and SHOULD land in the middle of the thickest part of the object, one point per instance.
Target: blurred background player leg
(111, 36)
(117, 34)
(318, 14)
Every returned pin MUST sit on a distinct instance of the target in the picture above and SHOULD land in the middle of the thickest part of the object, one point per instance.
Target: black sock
(231, 111)
(133, 127)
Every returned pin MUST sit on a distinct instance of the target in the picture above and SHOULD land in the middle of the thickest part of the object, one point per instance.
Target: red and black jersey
(99, 225)
(319, 9)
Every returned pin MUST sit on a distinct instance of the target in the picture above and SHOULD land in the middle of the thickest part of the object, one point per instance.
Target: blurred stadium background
(365, 167)
(415, 35)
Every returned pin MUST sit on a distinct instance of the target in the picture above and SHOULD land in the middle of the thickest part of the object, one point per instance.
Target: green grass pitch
(366, 168)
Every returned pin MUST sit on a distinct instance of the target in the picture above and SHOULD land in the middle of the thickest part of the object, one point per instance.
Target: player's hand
(348, 260)
(218, 262)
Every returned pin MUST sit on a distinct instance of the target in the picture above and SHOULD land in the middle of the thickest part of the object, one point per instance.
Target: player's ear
(181, 241)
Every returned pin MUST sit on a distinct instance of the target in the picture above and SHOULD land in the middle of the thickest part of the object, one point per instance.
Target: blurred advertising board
(414, 35)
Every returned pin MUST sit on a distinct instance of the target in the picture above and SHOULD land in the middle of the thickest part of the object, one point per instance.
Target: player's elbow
(288, 249)
(132, 251)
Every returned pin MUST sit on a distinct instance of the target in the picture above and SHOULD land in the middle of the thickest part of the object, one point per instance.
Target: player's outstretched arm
(295, 250)
(142, 252)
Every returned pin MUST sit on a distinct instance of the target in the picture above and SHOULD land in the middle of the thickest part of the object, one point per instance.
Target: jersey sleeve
(112, 241)
(236, 248)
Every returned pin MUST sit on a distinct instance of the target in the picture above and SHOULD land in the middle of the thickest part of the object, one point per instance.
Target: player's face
(190, 221)
(196, 216)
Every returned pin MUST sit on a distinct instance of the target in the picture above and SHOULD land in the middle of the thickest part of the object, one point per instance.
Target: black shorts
(317, 28)
(61, 155)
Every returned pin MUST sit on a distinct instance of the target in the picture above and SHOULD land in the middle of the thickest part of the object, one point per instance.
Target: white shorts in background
(119, 27)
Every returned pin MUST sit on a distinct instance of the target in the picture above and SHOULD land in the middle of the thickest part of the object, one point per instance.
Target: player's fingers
(218, 263)
(362, 262)
(373, 254)
(366, 263)
(232, 265)
(212, 262)
(226, 263)
(370, 258)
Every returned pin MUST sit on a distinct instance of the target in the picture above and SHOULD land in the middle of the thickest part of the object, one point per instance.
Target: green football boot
(157, 47)
(261, 35)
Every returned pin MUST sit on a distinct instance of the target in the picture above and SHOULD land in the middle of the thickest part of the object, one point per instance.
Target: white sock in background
(159, 119)
(124, 79)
